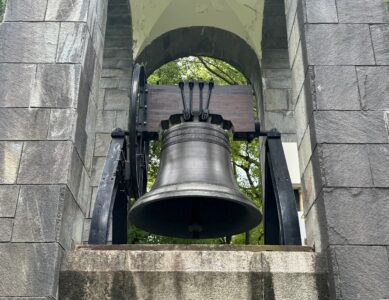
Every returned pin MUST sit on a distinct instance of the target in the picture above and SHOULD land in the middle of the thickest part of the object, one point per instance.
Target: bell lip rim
(249, 206)
(199, 193)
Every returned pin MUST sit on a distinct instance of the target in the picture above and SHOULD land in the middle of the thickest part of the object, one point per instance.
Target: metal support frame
(111, 200)
(125, 175)
(281, 224)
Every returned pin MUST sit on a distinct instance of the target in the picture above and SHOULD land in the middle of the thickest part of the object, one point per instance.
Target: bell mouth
(194, 215)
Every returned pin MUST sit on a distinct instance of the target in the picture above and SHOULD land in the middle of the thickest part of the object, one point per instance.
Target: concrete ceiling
(152, 18)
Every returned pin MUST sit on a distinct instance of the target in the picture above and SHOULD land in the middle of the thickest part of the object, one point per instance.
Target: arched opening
(245, 160)
(205, 41)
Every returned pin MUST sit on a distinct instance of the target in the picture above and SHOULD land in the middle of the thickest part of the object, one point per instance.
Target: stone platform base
(193, 272)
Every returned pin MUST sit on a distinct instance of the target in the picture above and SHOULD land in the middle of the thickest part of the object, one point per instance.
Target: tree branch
(220, 69)
(247, 171)
(213, 72)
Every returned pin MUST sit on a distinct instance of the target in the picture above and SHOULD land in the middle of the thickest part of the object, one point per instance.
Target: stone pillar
(50, 56)
(338, 51)
(113, 94)
(276, 73)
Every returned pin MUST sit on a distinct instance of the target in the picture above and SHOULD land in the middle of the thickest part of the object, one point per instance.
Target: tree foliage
(244, 156)
(2, 9)
(197, 68)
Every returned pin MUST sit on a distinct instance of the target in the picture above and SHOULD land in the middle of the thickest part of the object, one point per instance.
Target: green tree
(244, 156)
(2, 9)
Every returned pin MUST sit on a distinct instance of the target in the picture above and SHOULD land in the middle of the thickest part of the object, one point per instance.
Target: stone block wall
(50, 57)
(278, 102)
(338, 51)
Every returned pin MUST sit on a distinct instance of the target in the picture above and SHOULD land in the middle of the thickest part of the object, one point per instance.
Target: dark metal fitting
(204, 115)
(187, 115)
(273, 133)
(191, 86)
(118, 133)
(201, 87)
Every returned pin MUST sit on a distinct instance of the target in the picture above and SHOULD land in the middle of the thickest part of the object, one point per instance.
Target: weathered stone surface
(30, 42)
(336, 88)
(61, 124)
(195, 274)
(29, 269)
(298, 72)
(67, 10)
(350, 127)
(105, 121)
(283, 121)
(10, 153)
(276, 99)
(102, 144)
(25, 10)
(295, 10)
(81, 136)
(115, 73)
(379, 162)
(79, 182)
(72, 221)
(345, 44)
(346, 165)
(274, 58)
(304, 108)
(72, 43)
(380, 39)
(349, 222)
(374, 87)
(16, 82)
(116, 99)
(97, 170)
(276, 78)
(74, 175)
(361, 11)
(86, 230)
(23, 123)
(321, 11)
(284, 272)
(5, 229)
(25, 298)
(386, 118)
(89, 63)
(121, 120)
(312, 180)
(296, 36)
(306, 148)
(8, 200)
(45, 162)
(56, 86)
(361, 272)
(114, 83)
(90, 144)
(38, 214)
(316, 226)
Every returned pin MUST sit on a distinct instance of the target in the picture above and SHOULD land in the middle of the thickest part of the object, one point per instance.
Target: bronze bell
(195, 194)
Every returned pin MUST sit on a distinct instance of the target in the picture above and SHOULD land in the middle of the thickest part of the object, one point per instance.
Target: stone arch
(206, 41)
